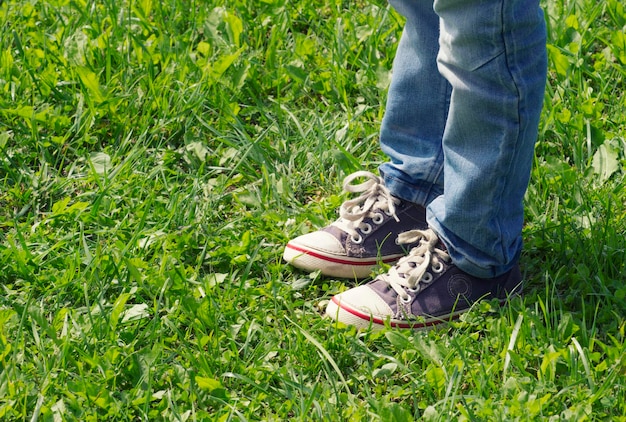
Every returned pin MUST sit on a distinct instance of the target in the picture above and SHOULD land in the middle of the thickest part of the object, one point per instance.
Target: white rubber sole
(365, 321)
(333, 265)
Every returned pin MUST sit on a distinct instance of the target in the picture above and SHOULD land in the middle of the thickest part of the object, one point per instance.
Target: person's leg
(417, 109)
(493, 54)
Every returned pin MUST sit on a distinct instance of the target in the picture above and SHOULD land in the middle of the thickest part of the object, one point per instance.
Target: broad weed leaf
(559, 60)
(209, 384)
(136, 312)
(398, 340)
(234, 27)
(618, 44)
(91, 83)
(101, 162)
(219, 66)
(75, 46)
(385, 371)
(605, 161)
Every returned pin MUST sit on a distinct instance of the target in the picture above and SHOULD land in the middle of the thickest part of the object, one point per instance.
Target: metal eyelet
(366, 229)
(427, 278)
(406, 299)
(358, 239)
(378, 218)
(437, 268)
(413, 290)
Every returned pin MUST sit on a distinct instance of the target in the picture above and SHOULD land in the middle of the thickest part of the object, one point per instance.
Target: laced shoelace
(374, 200)
(415, 270)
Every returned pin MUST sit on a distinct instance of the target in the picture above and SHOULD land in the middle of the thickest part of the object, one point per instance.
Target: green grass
(156, 156)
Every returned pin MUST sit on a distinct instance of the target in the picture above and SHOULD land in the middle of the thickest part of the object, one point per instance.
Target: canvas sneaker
(423, 290)
(364, 235)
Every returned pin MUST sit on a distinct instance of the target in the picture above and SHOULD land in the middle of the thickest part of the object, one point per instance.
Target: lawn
(155, 157)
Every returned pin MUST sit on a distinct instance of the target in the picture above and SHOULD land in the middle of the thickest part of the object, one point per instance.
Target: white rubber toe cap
(361, 307)
(322, 251)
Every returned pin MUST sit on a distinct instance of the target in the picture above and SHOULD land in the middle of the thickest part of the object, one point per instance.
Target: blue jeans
(461, 122)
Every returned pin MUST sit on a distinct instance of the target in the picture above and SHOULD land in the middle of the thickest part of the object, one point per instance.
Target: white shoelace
(374, 200)
(415, 270)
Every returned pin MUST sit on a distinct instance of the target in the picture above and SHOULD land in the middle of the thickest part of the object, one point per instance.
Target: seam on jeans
(486, 62)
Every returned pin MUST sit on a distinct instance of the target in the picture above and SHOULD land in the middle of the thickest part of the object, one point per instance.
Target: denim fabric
(461, 122)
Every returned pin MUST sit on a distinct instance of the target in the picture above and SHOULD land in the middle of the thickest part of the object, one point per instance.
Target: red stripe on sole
(415, 325)
(339, 260)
